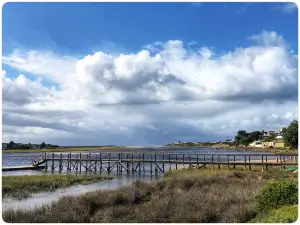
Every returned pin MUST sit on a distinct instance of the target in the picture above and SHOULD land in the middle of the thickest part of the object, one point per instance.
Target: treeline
(12, 145)
(289, 135)
(245, 138)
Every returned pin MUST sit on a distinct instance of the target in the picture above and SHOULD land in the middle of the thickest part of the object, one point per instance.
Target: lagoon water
(18, 159)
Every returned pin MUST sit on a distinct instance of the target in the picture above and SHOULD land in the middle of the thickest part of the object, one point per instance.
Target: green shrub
(285, 214)
(277, 194)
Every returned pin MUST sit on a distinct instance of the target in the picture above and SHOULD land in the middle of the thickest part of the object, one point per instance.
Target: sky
(146, 73)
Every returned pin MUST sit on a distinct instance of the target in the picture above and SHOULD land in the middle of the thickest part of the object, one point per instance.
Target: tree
(290, 135)
(254, 136)
(10, 145)
(241, 138)
(43, 145)
(270, 138)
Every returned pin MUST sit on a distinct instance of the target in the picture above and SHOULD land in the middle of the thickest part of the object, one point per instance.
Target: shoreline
(20, 187)
(176, 189)
(114, 148)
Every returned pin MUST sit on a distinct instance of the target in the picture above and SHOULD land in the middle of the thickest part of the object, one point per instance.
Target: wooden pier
(154, 163)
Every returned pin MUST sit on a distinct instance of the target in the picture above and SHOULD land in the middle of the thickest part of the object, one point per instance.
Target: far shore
(156, 147)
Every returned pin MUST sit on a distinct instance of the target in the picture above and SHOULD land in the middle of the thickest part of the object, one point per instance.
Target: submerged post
(80, 162)
(132, 169)
(144, 163)
(108, 168)
(127, 163)
(76, 162)
(262, 162)
(163, 165)
(101, 163)
(234, 162)
(249, 162)
(170, 167)
(52, 162)
(46, 166)
(60, 163)
(151, 164)
(139, 164)
(86, 163)
(120, 163)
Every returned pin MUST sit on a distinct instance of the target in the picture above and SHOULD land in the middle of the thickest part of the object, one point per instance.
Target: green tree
(43, 145)
(242, 138)
(290, 135)
(10, 145)
(254, 136)
(270, 138)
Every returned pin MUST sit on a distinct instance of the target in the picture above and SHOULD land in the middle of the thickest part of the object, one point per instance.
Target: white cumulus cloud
(165, 92)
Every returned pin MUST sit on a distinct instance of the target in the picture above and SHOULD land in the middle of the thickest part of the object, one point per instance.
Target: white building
(258, 144)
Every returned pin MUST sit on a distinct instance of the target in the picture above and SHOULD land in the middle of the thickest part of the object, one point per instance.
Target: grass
(285, 214)
(23, 186)
(186, 195)
(72, 149)
(272, 173)
(286, 151)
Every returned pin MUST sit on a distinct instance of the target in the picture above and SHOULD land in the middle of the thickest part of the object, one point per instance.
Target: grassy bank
(285, 214)
(74, 149)
(24, 186)
(239, 148)
(181, 196)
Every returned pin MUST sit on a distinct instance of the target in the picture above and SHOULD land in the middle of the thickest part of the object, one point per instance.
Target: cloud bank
(165, 92)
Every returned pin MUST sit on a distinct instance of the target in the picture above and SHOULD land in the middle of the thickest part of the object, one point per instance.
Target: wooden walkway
(156, 162)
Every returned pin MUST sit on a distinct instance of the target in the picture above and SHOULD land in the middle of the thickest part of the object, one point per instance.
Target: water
(18, 159)
(43, 198)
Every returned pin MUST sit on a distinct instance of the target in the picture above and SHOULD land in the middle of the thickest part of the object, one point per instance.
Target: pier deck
(157, 162)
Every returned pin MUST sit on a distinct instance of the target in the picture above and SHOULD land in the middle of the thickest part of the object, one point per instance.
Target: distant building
(279, 138)
(268, 144)
(230, 140)
(271, 132)
(279, 145)
(257, 144)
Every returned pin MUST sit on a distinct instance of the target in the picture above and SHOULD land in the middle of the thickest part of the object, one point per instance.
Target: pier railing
(158, 162)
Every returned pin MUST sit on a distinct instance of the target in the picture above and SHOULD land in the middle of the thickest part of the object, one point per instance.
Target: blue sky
(76, 48)
(79, 28)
